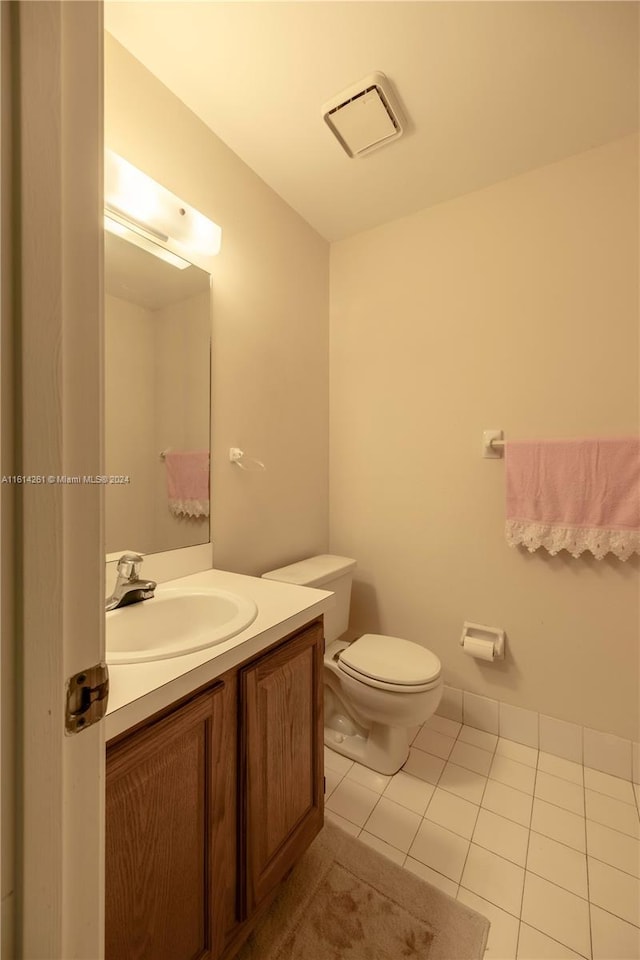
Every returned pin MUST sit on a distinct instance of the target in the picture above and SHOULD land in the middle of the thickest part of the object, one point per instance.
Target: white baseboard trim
(592, 748)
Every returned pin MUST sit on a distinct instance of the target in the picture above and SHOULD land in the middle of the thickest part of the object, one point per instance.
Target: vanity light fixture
(149, 212)
(115, 225)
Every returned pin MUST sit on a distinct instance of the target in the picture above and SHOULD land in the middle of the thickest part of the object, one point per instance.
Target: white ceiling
(489, 90)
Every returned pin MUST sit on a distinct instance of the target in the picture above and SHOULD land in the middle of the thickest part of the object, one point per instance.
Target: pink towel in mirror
(188, 482)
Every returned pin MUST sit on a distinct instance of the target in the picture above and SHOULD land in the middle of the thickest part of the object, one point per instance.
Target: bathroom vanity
(213, 796)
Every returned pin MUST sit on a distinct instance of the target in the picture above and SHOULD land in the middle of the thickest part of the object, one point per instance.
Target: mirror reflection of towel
(188, 482)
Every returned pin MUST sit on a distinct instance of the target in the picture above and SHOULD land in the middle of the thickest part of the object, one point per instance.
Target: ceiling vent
(364, 117)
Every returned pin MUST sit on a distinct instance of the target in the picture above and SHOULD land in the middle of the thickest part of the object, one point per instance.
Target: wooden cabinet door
(282, 759)
(161, 790)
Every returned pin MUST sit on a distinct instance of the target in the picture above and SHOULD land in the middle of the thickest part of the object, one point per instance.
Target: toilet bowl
(377, 687)
(385, 686)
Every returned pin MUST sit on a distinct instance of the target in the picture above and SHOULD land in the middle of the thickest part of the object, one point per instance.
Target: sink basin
(175, 622)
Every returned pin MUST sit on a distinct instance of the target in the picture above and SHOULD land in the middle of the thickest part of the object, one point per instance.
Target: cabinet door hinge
(87, 696)
(324, 784)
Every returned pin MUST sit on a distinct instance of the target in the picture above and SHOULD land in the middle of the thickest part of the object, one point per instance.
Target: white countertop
(138, 690)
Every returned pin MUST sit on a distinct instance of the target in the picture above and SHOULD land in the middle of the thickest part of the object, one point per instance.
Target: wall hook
(236, 455)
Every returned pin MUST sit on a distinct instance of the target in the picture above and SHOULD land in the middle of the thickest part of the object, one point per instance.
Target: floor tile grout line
(623, 833)
(526, 859)
(566, 809)
(518, 823)
(459, 795)
(528, 923)
(404, 805)
(526, 855)
(464, 865)
(584, 899)
(362, 828)
(406, 853)
(586, 860)
(612, 866)
(424, 817)
(616, 915)
(342, 776)
(489, 850)
(496, 905)
(608, 795)
(579, 763)
(588, 903)
(549, 937)
(433, 869)
(437, 786)
(463, 725)
(561, 842)
(560, 886)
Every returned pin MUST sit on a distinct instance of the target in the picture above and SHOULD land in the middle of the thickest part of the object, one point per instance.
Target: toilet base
(385, 749)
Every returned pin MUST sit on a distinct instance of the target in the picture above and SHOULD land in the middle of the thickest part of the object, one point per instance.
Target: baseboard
(593, 748)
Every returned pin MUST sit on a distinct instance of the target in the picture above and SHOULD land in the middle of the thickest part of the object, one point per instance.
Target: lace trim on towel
(621, 543)
(189, 508)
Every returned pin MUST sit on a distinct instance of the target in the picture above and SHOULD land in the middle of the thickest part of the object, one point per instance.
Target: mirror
(157, 399)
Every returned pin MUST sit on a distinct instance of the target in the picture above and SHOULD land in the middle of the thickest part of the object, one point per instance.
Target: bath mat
(345, 901)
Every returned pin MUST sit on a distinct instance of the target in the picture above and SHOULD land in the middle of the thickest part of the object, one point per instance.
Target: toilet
(377, 687)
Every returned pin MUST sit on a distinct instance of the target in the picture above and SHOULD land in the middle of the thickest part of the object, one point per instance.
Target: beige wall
(270, 335)
(516, 308)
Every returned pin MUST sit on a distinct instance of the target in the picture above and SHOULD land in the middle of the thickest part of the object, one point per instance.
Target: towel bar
(492, 444)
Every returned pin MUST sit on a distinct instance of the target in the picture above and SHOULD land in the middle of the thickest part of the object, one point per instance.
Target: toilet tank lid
(314, 571)
(392, 659)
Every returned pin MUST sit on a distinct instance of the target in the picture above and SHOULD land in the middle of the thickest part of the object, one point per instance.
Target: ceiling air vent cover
(365, 116)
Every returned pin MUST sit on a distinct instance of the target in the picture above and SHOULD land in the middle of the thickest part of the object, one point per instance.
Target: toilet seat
(390, 663)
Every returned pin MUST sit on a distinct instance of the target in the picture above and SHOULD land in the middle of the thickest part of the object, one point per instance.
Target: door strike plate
(87, 696)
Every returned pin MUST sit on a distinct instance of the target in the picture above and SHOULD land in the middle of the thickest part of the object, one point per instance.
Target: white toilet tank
(329, 573)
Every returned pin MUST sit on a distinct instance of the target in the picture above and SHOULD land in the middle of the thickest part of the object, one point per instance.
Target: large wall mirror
(157, 398)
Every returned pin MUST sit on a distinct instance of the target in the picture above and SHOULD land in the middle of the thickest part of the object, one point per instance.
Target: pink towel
(574, 495)
(188, 483)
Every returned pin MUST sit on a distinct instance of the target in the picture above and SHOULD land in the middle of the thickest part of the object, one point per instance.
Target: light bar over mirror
(145, 213)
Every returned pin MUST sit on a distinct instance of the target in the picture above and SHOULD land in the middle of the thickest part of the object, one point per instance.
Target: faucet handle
(129, 565)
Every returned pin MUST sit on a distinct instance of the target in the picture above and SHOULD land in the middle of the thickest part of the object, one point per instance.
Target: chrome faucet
(129, 587)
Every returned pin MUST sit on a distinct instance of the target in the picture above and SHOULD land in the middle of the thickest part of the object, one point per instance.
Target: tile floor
(547, 849)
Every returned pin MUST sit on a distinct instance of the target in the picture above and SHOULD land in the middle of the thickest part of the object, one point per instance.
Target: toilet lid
(391, 660)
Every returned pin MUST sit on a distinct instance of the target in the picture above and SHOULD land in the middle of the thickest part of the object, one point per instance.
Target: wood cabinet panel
(227, 916)
(159, 843)
(282, 747)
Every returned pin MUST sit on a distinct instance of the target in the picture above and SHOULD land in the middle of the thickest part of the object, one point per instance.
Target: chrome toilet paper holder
(489, 637)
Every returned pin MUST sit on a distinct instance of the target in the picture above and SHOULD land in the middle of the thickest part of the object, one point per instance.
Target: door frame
(59, 555)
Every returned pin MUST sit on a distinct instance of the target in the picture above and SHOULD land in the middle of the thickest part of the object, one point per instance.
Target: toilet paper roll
(481, 649)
